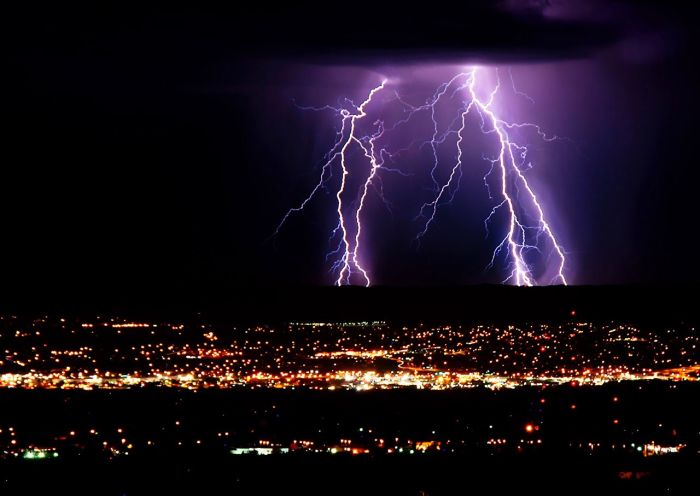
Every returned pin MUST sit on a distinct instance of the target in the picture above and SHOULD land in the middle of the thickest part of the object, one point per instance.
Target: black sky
(136, 162)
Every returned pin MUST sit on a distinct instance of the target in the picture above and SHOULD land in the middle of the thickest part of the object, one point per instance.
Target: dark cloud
(644, 30)
(355, 32)
(301, 30)
(465, 30)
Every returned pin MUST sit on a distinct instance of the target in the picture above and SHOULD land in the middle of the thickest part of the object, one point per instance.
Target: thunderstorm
(527, 245)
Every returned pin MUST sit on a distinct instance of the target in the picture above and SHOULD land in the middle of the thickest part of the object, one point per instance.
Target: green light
(38, 454)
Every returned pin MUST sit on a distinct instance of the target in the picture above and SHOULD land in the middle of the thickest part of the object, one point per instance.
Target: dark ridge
(487, 303)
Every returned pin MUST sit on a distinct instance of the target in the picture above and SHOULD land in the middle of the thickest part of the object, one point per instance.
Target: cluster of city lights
(118, 354)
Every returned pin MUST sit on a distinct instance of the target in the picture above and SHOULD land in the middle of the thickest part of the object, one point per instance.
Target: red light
(529, 428)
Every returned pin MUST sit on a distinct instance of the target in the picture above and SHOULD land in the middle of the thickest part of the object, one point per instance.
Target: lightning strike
(529, 245)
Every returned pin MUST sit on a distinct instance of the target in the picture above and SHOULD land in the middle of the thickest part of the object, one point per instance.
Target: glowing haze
(371, 141)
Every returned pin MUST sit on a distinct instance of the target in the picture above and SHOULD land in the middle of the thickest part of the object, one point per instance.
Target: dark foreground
(620, 438)
(323, 475)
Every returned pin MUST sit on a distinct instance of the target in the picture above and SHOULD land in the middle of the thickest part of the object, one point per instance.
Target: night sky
(150, 152)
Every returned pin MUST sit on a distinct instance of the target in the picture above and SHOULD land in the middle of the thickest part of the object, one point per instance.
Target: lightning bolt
(347, 260)
(527, 230)
(517, 231)
(349, 248)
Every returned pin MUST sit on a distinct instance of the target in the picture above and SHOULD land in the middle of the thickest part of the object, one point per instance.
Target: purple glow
(375, 131)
